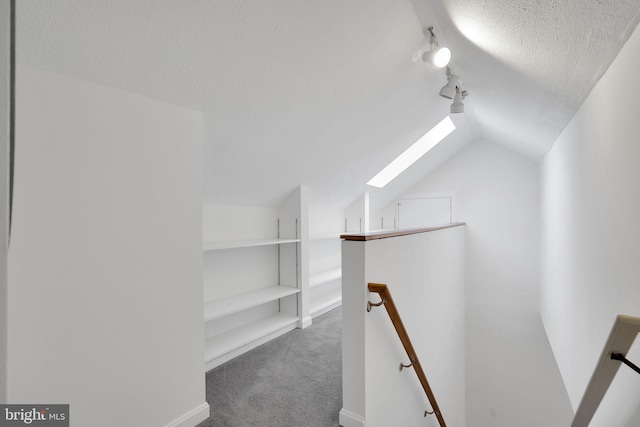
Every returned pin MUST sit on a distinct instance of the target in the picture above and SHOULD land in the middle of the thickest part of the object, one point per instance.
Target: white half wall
(512, 378)
(590, 206)
(105, 265)
(425, 276)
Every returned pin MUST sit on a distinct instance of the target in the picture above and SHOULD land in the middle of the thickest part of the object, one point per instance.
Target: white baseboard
(350, 419)
(304, 323)
(319, 311)
(192, 418)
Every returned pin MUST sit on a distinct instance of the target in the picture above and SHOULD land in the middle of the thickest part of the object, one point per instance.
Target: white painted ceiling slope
(327, 92)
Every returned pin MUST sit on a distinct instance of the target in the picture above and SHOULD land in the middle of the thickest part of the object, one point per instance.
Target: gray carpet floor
(292, 381)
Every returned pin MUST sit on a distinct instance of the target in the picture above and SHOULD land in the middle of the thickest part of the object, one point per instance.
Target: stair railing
(623, 333)
(414, 362)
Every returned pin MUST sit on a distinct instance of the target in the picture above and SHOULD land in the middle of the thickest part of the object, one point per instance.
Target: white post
(6, 40)
(354, 295)
(294, 262)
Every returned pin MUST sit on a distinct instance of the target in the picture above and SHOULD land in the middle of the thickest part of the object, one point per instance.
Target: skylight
(413, 153)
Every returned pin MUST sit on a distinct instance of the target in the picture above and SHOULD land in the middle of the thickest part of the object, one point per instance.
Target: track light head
(458, 106)
(449, 90)
(438, 56)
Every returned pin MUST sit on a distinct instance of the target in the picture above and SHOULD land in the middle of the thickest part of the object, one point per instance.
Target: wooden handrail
(375, 235)
(623, 333)
(384, 293)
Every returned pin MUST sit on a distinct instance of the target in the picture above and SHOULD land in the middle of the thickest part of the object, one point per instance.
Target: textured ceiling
(529, 64)
(327, 92)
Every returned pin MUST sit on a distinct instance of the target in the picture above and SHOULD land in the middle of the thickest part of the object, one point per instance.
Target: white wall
(512, 378)
(105, 266)
(357, 215)
(590, 268)
(5, 73)
(425, 275)
(324, 220)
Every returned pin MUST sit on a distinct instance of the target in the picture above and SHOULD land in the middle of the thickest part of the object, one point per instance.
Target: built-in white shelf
(325, 281)
(323, 277)
(381, 230)
(252, 279)
(212, 246)
(221, 344)
(325, 236)
(226, 306)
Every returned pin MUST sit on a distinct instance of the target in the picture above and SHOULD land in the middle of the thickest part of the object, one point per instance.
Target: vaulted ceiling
(327, 92)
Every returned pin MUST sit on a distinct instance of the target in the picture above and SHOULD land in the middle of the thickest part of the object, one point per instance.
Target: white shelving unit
(325, 236)
(225, 346)
(212, 246)
(226, 306)
(237, 323)
(325, 282)
(324, 277)
(256, 279)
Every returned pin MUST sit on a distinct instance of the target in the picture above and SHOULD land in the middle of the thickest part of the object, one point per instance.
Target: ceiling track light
(438, 56)
(457, 106)
(453, 90)
(453, 81)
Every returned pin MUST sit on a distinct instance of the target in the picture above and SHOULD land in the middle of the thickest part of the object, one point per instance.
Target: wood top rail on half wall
(388, 303)
(374, 235)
